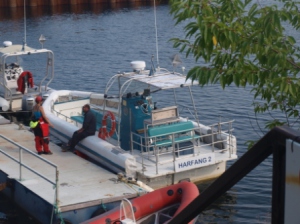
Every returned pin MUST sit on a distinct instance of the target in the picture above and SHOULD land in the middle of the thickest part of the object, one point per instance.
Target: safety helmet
(38, 99)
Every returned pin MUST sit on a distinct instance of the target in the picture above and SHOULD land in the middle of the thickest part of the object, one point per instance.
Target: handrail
(274, 142)
(56, 183)
(143, 143)
(61, 114)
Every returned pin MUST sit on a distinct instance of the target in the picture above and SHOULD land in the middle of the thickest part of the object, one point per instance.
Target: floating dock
(58, 186)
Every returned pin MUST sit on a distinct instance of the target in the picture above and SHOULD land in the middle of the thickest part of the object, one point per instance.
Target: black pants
(77, 137)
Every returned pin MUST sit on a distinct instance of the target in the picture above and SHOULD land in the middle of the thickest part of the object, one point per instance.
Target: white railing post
(57, 187)
(21, 148)
(131, 143)
(155, 148)
(20, 162)
(212, 139)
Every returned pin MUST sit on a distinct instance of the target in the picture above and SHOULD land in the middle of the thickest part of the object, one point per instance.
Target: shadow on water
(12, 214)
(222, 210)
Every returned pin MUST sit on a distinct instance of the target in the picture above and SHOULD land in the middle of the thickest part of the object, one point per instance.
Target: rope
(56, 209)
(130, 185)
(294, 139)
(103, 205)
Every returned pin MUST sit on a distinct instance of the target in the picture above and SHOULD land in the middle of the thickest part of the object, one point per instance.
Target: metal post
(278, 183)
(174, 158)
(174, 153)
(195, 110)
(194, 143)
(20, 161)
(212, 139)
(131, 143)
(175, 99)
(155, 148)
(57, 187)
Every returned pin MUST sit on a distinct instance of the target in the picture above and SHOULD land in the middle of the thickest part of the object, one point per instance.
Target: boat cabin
(159, 137)
(17, 86)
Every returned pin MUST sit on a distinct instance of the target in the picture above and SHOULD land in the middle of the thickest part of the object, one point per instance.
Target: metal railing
(21, 164)
(154, 147)
(60, 114)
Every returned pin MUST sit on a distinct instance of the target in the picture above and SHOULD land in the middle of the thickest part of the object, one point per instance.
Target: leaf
(215, 42)
(243, 42)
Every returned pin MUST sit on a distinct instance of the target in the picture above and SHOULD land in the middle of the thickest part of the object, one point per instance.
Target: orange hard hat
(38, 99)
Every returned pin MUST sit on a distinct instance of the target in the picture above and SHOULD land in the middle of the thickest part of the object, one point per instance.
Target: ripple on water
(90, 47)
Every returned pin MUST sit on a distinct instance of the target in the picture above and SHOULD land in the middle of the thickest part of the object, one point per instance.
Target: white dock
(81, 183)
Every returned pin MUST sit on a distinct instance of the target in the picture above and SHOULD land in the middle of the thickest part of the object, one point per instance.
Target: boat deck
(81, 183)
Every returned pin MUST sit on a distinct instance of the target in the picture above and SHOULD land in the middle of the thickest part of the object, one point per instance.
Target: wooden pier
(82, 187)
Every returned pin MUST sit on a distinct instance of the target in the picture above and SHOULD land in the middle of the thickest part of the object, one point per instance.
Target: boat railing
(280, 142)
(183, 108)
(64, 116)
(22, 164)
(163, 149)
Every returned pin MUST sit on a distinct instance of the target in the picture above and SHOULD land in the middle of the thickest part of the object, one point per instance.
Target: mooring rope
(56, 209)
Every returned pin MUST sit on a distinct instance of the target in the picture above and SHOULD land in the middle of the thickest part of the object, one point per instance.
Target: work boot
(65, 148)
(48, 153)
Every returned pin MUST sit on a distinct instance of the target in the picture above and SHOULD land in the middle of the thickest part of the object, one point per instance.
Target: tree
(245, 43)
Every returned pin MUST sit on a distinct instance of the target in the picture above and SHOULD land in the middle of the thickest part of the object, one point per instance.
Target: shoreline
(53, 3)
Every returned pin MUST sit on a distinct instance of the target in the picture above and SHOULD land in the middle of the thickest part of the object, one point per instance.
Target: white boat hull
(95, 148)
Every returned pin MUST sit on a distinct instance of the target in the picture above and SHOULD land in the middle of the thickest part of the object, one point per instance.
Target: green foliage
(253, 48)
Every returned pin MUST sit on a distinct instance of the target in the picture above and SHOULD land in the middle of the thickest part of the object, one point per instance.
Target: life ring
(103, 133)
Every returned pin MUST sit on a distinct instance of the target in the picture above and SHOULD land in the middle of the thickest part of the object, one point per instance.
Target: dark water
(91, 43)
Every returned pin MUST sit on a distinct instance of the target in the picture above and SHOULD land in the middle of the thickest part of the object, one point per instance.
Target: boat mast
(156, 39)
(24, 40)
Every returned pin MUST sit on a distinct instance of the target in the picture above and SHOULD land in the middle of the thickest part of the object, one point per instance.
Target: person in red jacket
(41, 129)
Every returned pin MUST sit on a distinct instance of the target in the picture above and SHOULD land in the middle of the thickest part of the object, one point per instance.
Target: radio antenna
(156, 35)
(24, 40)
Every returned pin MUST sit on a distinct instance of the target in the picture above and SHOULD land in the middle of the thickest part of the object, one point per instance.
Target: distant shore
(20, 3)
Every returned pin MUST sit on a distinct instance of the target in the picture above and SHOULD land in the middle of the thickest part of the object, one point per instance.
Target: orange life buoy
(21, 82)
(103, 134)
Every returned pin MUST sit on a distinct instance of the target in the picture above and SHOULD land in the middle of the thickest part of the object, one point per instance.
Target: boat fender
(103, 133)
(144, 186)
(21, 81)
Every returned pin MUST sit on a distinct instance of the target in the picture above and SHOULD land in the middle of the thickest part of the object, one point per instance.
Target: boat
(156, 207)
(147, 139)
(17, 86)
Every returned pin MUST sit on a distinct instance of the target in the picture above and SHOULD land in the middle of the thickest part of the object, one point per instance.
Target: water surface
(91, 43)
